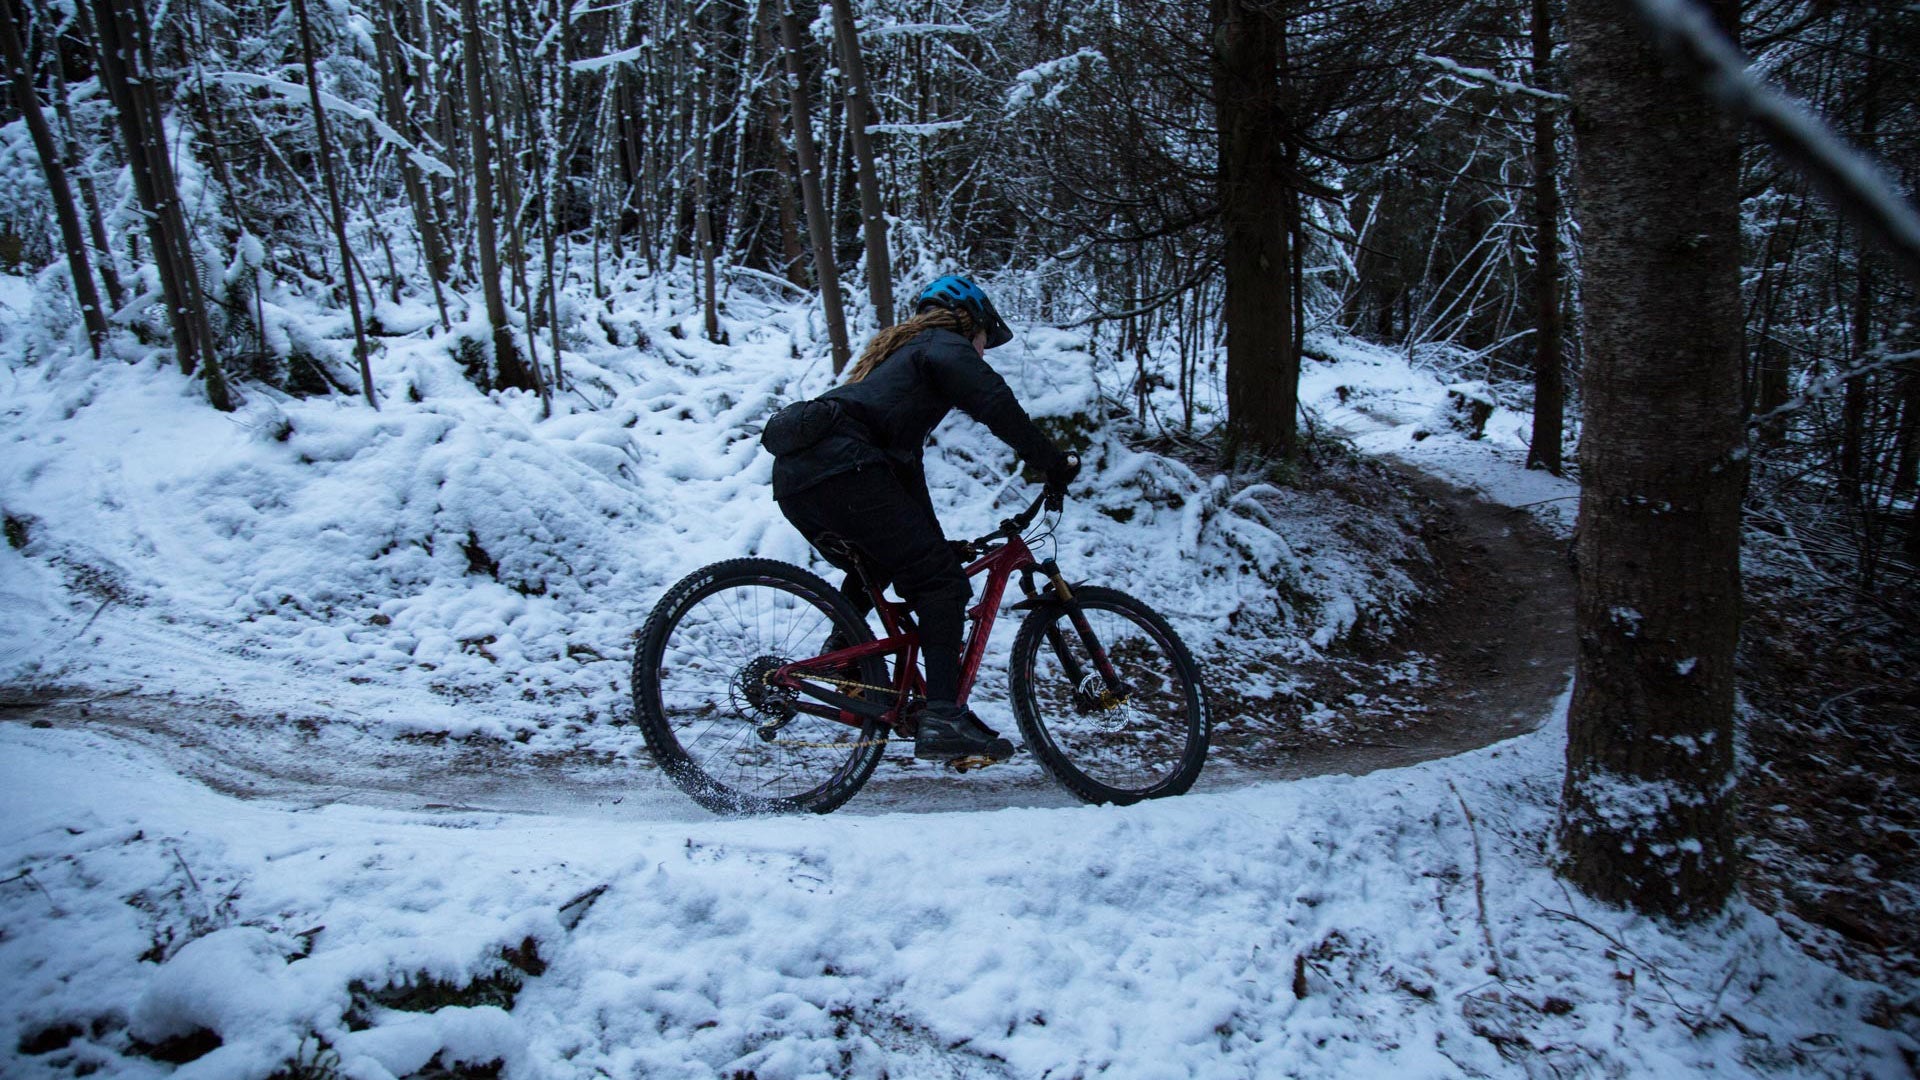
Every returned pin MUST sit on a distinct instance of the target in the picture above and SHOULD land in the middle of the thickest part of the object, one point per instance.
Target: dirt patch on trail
(1481, 661)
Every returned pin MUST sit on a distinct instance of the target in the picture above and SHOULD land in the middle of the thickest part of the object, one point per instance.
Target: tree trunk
(703, 209)
(510, 371)
(818, 231)
(873, 219)
(1853, 408)
(125, 59)
(519, 108)
(792, 253)
(1647, 812)
(431, 250)
(1549, 384)
(334, 205)
(1263, 380)
(102, 247)
(52, 167)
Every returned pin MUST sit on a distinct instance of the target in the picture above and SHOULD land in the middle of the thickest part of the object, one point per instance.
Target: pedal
(971, 761)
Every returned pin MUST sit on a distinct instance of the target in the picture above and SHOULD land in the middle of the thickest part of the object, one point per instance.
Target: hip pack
(799, 426)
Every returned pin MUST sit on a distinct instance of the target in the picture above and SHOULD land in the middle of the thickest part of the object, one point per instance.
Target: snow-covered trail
(1498, 645)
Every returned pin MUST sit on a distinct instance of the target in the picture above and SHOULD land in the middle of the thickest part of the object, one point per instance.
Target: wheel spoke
(1145, 737)
(727, 733)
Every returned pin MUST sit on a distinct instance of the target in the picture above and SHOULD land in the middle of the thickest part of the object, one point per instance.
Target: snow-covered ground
(457, 565)
(1333, 927)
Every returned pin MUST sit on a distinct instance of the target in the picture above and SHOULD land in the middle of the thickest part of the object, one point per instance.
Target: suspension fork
(1057, 641)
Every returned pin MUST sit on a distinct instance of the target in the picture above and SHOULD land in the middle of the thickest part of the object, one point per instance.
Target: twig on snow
(26, 875)
(1695, 1020)
(1480, 888)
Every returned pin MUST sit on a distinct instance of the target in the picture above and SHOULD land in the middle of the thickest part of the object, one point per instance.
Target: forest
(374, 365)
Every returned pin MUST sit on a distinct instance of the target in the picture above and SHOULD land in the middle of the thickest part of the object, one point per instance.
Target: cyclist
(847, 471)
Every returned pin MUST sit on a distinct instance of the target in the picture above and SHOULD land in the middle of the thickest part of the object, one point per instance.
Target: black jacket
(888, 415)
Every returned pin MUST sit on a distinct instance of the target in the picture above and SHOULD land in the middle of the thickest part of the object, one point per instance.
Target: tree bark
(873, 219)
(1853, 409)
(1549, 383)
(102, 247)
(818, 232)
(428, 229)
(703, 209)
(52, 167)
(1263, 379)
(334, 204)
(510, 371)
(1647, 811)
(126, 65)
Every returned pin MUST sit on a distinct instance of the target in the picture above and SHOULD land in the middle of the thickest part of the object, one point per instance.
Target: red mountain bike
(745, 720)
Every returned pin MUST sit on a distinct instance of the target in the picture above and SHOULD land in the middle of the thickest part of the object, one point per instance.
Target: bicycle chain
(842, 684)
(862, 744)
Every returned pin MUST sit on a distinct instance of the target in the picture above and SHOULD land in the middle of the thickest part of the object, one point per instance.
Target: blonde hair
(886, 341)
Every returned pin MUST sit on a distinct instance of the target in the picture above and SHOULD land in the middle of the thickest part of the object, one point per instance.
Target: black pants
(900, 540)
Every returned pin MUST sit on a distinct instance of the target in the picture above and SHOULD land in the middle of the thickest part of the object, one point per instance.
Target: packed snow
(456, 570)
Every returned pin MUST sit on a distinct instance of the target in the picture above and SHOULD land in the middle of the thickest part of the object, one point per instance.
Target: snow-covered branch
(296, 94)
(915, 30)
(1852, 180)
(1822, 387)
(1027, 84)
(1485, 78)
(624, 56)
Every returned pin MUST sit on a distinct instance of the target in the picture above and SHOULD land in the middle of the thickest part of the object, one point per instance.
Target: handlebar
(1011, 527)
(1017, 524)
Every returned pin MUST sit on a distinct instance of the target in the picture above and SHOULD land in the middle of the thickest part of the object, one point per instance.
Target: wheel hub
(1094, 696)
(755, 694)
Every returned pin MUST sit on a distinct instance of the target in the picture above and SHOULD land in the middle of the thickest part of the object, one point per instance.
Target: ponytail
(886, 341)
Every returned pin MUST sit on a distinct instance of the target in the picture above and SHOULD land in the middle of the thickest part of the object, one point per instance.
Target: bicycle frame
(902, 641)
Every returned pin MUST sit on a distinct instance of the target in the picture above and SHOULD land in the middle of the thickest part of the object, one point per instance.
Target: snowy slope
(458, 564)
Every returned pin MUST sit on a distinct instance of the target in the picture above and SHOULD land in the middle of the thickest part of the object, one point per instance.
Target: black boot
(947, 732)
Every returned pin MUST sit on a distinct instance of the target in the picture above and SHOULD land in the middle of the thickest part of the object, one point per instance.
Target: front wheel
(1143, 739)
(714, 719)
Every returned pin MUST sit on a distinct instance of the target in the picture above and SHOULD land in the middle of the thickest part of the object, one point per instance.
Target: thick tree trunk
(334, 204)
(1263, 379)
(510, 371)
(1647, 815)
(1549, 384)
(873, 219)
(819, 233)
(79, 268)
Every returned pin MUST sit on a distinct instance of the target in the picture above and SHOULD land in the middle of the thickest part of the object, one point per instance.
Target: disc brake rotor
(758, 699)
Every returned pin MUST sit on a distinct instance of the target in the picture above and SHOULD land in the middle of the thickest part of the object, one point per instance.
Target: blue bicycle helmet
(956, 293)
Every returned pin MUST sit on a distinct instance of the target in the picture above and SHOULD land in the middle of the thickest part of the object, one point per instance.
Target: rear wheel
(715, 722)
(1143, 739)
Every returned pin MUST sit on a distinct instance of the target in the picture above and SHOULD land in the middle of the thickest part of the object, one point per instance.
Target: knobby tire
(694, 690)
(1150, 747)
